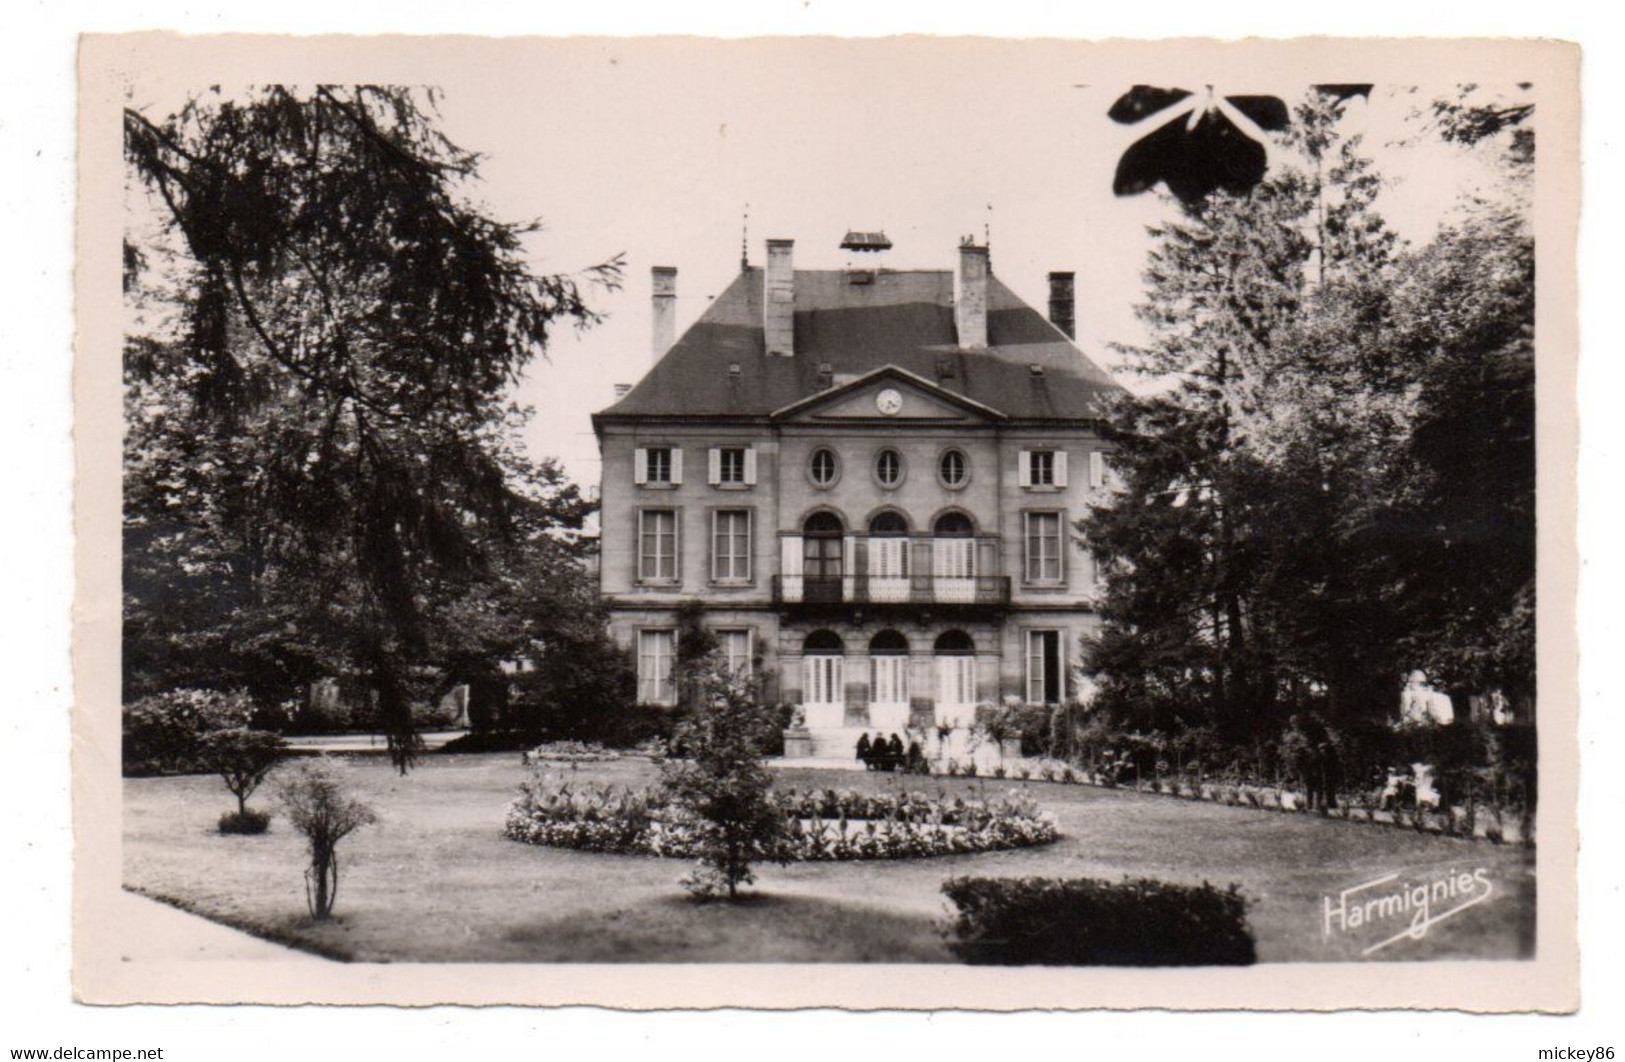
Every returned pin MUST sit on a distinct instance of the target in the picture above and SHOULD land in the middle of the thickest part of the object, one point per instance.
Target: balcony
(915, 591)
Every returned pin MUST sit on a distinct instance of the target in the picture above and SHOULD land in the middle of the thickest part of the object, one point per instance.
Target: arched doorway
(823, 557)
(888, 557)
(823, 679)
(953, 558)
(955, 662)
(888, 681)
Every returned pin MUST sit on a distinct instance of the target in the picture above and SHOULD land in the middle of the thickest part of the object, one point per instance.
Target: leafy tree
(319, 805)
(724, 783)
(694, 656)
(321, 461)
(242, 758)
(1237, 471)
(1336, 483)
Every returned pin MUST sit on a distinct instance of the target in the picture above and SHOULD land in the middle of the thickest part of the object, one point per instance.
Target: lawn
(435, 881)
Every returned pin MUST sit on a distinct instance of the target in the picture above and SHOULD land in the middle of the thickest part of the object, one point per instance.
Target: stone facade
(897, 538)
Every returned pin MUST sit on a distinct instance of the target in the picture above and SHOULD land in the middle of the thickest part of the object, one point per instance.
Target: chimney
(663, 282)
(779, 299)
(1061, 303)
(970, 308)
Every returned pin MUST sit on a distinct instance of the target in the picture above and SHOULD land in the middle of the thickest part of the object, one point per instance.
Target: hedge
(1090, 922)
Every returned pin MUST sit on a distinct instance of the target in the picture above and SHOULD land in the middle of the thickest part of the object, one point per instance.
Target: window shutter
(750, 466)
(1024, 469)
(677, 541)
(1097, 468)
(1062, 543)
(790, 556)
(715, 541)
(714, 475)
(640, 466)
(676, 466)
(1060, 468)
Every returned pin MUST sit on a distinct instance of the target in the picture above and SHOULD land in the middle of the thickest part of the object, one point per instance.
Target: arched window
(823, 553)
(888, 557)
(823, 642)
(823, 679)
(888, 643)
(953, 558)
(888, 679)
(888, 522)
(956, 678)
(822, 523)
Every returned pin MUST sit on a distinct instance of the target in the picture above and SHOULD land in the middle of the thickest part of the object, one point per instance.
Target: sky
(655, 149)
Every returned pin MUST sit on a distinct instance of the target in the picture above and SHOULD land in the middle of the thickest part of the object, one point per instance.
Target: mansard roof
(903, 318)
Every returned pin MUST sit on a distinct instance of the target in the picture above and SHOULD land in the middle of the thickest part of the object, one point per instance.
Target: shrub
(723, 783)
(319, 805)
(818, 825)
(246, 821)
(569, 752)
(242, 758)
(163, 733)
(1089, 922)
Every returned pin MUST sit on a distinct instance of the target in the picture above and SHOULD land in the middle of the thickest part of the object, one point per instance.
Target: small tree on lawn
(242, 758)
(723, 782)
(320, 807)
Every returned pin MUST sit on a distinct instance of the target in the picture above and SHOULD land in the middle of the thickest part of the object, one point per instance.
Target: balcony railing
(982, 590)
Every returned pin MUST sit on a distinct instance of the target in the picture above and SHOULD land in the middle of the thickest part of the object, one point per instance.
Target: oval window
(889, 468)
(824, 467)
(954, 469)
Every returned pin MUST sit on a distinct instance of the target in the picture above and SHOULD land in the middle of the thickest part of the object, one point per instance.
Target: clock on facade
(889, 402)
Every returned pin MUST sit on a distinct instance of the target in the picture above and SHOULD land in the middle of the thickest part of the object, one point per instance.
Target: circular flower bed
(823, 824)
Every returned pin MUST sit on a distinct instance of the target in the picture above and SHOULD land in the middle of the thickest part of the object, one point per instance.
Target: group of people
(887, 754)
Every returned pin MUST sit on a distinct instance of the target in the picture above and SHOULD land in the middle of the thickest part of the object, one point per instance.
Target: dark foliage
(248, 821)
(722, 781)
(321, 464)
(1089, 922)
(242, 758)
(166, 732)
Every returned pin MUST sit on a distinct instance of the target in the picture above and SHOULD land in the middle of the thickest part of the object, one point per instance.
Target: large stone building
(869, 479)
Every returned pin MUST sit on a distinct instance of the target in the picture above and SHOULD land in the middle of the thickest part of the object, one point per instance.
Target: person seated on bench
(894, 752)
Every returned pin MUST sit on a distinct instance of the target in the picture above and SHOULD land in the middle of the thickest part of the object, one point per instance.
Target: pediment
(888, 394)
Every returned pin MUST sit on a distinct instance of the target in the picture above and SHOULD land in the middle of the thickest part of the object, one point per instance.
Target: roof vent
(1036, 369)
(734, 368)
(865, 241)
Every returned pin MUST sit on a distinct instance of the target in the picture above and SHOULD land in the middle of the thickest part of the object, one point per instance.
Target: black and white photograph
(1025, 511)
